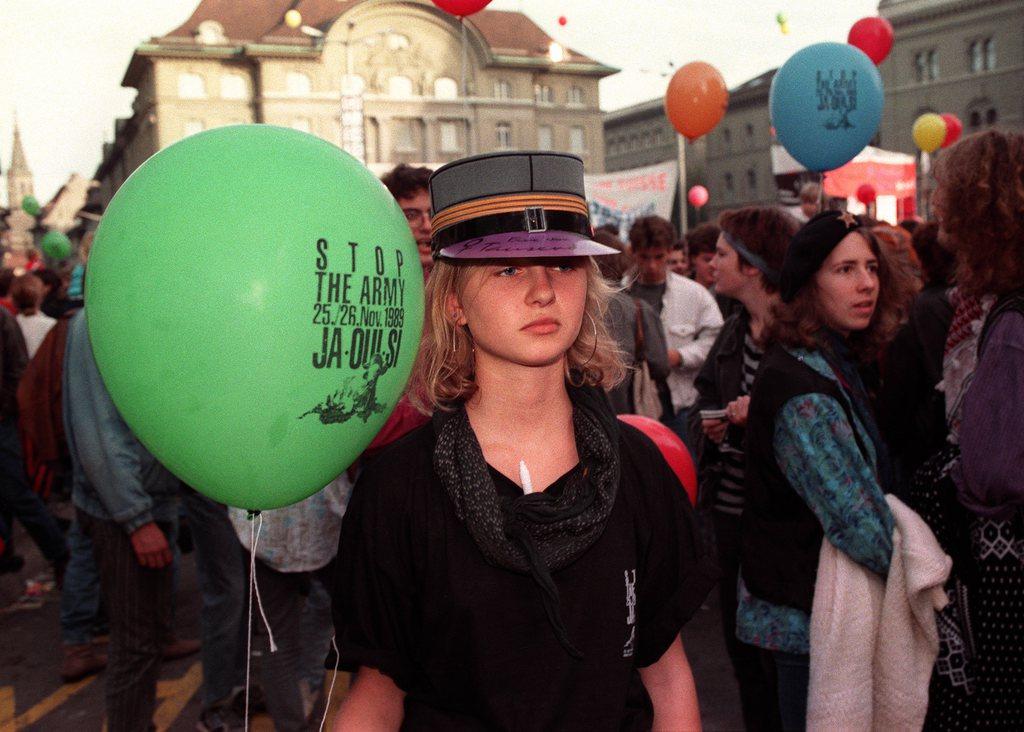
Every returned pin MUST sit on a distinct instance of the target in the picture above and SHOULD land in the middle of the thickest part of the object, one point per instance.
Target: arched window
(191, 86)
(232, 86)
(297, 84)
(576, 96)
(400, 86)
(990, 116)
(396, 41)
(209, 32)
(445, 88)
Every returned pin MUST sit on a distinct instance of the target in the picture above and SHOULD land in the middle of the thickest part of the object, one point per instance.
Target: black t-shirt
(470, 643)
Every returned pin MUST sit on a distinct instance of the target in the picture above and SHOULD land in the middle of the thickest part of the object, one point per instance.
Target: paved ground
(32, 696)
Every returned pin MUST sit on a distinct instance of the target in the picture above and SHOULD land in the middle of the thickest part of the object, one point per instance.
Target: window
(658, 137)
(728, 182)
(297, 84)
(542, 94)
(405, 140)
(232, 86)
(576, 96)
(352, 84)
(396, 41)
(577, 140)
(445, 88)
(502, 90)
(634, 142)
(191, 86)
(301, 124)
(991, 116)
(209, 32)
(975, 119)
(400, 87)
(646, 140)
(751, 179)
(449, 137)
(982, 54)
(727, 135)
(926, 65)
(504, 133)
(193, 126)
(544, 138)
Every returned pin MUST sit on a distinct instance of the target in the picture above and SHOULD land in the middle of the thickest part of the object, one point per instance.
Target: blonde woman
(524, 561)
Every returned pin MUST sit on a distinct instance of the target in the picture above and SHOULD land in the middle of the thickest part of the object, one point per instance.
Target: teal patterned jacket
(815, 448)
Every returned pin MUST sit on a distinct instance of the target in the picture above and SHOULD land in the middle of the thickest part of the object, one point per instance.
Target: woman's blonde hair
(443, 372)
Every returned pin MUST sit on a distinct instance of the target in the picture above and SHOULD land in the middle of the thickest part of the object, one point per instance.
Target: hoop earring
(594, 351)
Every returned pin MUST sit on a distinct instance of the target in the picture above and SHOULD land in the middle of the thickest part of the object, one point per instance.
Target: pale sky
(62, 61)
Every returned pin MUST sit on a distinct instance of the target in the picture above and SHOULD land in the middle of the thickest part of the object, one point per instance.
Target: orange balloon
(696, 99)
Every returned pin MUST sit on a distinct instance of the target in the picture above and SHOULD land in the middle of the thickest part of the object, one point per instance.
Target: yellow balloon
(785, 28)
(929, 132)
(293, 18)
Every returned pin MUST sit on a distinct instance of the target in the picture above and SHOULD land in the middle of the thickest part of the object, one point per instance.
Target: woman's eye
(565, 267)
(873, 268)
(845, 269)
(507, 271)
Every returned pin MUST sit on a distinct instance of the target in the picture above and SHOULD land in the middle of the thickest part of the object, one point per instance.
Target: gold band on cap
(513, 203)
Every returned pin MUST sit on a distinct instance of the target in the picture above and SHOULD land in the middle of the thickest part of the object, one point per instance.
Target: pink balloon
(461, 8)
(873, 36)
(698, 196)
(672, 449)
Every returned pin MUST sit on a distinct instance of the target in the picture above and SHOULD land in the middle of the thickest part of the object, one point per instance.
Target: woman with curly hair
(817, 468)
(971, 493)
(524, 561)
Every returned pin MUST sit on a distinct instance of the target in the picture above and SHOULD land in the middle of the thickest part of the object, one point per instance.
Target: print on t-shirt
(630, 575)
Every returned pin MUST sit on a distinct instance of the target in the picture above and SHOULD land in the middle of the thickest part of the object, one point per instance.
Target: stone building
(959, 56)
(19, 176)
(233, 62)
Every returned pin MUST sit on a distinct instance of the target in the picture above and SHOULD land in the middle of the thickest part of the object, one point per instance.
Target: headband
(755, 260)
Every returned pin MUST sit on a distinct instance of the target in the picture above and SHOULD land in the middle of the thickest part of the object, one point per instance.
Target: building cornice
(901, 13)
(959, 79)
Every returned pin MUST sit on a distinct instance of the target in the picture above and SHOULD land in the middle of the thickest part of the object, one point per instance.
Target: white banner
(623, 197)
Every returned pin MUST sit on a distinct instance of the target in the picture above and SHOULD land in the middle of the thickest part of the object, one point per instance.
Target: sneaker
(220, 719)
(81, 660)
(180, 648)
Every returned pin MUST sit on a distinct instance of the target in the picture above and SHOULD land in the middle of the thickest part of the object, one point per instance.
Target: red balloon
(697, 196)
(954, 128)
(672, 449)
(461, 8)
(562, 20)
(873, 36)
(866, 193)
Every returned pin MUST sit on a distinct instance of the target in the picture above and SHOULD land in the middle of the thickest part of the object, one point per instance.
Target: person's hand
(674, 359)
(714, 429)
(736, 410)
(151, 547)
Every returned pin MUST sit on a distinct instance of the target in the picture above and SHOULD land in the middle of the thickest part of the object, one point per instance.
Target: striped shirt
(729, 498)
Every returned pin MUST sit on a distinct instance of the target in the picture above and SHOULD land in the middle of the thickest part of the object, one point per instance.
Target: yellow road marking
(175, 695)
(46, 706)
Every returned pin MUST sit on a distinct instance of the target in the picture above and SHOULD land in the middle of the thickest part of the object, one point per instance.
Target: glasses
(413, 214)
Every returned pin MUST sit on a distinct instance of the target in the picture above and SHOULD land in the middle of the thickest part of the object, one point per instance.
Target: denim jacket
(113, 476)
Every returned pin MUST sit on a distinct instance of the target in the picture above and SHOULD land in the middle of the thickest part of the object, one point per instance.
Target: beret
(810, 247)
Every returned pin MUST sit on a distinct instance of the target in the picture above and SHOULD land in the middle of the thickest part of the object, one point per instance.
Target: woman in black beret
(817, 468)
(524, 561)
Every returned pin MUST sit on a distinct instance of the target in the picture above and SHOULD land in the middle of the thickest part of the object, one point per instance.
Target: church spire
(19, 177)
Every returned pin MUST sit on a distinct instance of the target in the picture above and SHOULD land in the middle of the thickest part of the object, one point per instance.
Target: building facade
(233, 63)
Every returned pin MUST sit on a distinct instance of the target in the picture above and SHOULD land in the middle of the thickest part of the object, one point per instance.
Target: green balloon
(780, 18)
(55, 245)
(255, 302)
(30, 205)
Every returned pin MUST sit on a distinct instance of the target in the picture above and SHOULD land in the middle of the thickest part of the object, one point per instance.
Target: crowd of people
(508, 555)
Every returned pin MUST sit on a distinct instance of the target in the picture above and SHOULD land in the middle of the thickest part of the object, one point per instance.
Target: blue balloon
(826, 104)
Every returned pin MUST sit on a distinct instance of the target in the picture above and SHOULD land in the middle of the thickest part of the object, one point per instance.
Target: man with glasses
(408, 185)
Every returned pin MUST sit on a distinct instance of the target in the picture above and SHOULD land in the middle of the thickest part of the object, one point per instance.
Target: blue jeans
(80, 596)
(678, 425)
(18, 500)
(223, 576)
(794, 677)
(317, 629)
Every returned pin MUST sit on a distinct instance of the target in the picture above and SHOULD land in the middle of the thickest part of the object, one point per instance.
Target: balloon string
(465, 85)
(334, 676)
(254, 536)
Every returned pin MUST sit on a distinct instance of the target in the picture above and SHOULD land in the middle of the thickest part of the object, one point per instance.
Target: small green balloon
(255, 302)
(56, 245)
(780, 18)
(30, 205)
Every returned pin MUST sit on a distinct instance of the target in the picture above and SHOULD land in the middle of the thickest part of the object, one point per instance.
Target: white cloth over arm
(873, 645)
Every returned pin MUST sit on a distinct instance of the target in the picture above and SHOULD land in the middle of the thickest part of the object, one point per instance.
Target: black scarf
(536, 533)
